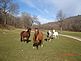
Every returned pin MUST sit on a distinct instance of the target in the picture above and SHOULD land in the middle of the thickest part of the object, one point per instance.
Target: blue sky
(46, 10)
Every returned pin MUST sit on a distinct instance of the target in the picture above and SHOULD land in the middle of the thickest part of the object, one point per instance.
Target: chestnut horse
(25, 35)
(37, 38)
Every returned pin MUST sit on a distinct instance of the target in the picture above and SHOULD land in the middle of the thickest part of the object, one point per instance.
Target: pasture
(61, 49)
(76, 34)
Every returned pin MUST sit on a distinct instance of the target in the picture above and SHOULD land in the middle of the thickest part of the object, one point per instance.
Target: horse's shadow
(46, 39)
(27, 41)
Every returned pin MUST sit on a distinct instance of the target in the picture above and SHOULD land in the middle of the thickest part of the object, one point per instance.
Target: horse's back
(22, 33)
(25, 34)
(55, 33)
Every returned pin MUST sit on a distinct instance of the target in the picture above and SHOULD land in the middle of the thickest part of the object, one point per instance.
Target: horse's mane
(36, 34)
(28, 29)
(25, 33)
(39, 33)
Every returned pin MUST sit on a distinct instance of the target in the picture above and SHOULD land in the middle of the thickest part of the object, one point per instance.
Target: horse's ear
(29, 28)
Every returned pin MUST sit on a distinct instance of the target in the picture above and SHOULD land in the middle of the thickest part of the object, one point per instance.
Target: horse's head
(29, 30)
(36, 31)
(53, 30)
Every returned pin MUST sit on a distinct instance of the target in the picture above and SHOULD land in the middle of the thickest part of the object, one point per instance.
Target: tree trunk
(5, 19)
(61, 29)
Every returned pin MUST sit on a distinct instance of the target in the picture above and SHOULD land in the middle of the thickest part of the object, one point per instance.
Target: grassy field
(76, 34)
(62, 49)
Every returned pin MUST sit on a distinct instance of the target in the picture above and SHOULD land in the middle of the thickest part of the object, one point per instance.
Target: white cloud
(44, 20)
(31, 4)
(70, 7)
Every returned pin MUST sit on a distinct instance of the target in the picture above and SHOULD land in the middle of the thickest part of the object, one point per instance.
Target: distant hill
(71, 23)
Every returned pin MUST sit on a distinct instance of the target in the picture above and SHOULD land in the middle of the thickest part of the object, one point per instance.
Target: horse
(37, 38)
(25, 35)
(49, 35)
(55, 34)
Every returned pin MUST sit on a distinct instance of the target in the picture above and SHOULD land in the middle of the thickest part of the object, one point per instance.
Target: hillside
(71, 23)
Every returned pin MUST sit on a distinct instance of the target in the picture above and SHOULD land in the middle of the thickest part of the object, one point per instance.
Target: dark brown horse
(25, 35)
(37, 38)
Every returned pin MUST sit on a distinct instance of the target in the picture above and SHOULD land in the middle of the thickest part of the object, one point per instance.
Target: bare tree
(26, 20)
(35, 20)
(60, 17)
(1, 20)
(8, 7)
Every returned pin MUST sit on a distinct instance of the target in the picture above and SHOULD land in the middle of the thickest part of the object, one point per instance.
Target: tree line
(8, 15)
(63, 23)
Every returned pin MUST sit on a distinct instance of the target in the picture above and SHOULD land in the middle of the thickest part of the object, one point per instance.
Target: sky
(46, 10)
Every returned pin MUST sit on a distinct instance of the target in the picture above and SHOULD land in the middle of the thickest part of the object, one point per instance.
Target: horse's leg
(33, 45)
(58, 36)
(21, 38)
(27, 40)
(49, 39)
(55, 36)
(41, 43)
(37, 47)
(52, 36)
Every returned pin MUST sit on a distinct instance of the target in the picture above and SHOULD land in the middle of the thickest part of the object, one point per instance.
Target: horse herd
(37, 37)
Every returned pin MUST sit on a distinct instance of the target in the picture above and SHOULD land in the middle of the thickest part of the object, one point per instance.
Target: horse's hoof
(26, 41)
(21, 40)
(49, 40)
(41, 45)
(45, 39)
(33, 47)
(37, 48)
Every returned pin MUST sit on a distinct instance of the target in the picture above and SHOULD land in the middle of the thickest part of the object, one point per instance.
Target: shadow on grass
(27, 41)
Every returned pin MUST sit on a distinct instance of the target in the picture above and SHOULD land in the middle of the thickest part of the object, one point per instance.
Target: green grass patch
(76, 34)
(61, 49)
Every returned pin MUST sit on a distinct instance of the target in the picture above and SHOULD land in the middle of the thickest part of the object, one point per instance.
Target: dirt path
(79, 39)
(76, 38)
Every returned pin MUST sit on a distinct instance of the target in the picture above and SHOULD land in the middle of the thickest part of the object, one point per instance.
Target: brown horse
(25, 35)
(37, 38)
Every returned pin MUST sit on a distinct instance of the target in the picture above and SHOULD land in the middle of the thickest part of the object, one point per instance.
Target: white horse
(49, 35)
(55, 34)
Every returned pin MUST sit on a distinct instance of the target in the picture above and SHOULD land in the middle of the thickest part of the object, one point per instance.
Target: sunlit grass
(11, 49)
(76, 34)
